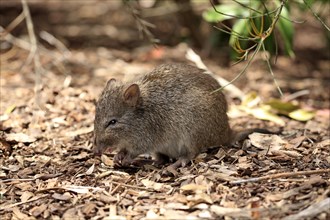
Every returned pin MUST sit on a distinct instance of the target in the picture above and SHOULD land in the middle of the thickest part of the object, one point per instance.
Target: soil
(48, 169)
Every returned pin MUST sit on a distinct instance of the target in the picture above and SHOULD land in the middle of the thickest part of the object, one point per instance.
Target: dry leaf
(14, 168)
(90, 170)
(220, 154)
(175, 214)
(199, 198)
(116, 217)
(152, 185)
(294, 143)
(88, 208)
(151, 215)
(115, 173)
(26, 195)
(20, 138)
(63, 197)
(231, 212)
(224, 176)
(294, 154)
(106, 160)
(70, 214)
(80, 156)
(205, 214)
(59, 121)
(324, 144)
(19, 214)
(267, 141)
(51, 183)
(193, 187)
(177, 205)
(201, 206)
(38, 210)
(136, 193)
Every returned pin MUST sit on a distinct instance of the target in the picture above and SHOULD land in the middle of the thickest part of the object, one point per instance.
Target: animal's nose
(96, 149)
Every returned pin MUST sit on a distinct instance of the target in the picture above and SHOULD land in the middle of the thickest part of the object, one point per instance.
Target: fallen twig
(133, 187)
(20, 203)
(38, 176)
(52, 40)
(16, 180)
(13, 25)
(33, 49)
(295, 95)
(73, 188)
(280, 175)
(25, 45)
(311, 211)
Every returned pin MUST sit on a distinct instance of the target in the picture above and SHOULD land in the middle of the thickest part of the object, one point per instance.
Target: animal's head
(114, 117)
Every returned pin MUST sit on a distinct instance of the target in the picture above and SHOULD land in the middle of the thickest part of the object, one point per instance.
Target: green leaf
(240, 28)
(250, 99)
(302, 115)
(235, 10)
(263, 113)
(290, 109)
(282, 107)
(286, 30)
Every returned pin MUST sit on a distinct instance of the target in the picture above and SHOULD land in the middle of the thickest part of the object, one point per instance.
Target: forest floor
(48, 170)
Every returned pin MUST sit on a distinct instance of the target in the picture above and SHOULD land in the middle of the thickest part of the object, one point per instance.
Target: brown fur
(170, 112)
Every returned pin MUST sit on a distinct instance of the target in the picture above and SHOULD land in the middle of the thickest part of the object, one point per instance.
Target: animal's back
(186, 115)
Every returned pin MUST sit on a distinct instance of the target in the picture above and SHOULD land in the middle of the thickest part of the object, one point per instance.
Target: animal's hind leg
(181, 162)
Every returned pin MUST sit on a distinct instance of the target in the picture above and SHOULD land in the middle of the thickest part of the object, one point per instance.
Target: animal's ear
(110, 82)
(132, 95)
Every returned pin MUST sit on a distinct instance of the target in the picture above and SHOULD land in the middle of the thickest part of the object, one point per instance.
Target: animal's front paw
(122, 159)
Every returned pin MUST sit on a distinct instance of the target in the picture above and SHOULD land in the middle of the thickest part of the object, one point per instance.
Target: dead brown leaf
(38, 210)
(63, 197)
(19, 137)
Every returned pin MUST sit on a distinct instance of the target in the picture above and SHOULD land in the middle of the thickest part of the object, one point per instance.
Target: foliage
(254, 25)
(255, 22)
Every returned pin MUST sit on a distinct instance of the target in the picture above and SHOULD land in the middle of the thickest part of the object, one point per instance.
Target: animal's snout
(96, 148)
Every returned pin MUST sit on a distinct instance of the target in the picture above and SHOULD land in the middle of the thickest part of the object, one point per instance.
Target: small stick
(13, 24)
(20, 203)
(33, 53)
(52, 40)
(22, 43)
(13, 180)
(42, 177)
(32, 36)
(115, 189)
(296, 95)
(280, 175)
(131, 186)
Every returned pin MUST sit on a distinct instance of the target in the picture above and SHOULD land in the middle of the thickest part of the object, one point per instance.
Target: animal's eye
(112, 122)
